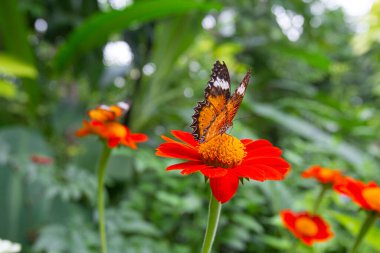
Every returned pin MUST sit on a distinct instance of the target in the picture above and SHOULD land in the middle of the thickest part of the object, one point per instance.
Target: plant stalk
(368, 222)
(212, 224)
(100, 196)
(324, 188)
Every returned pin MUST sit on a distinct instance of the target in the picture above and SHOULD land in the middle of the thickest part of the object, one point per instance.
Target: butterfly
(109, 113)
(213, 116)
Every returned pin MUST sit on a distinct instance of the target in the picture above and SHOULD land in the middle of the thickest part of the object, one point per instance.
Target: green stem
(212, 224)
(368, 222)
(101, 173)
(324, 188)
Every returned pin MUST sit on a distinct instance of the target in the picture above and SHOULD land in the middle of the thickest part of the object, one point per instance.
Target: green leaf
(14, 67)
(7, 89)
(95, 31)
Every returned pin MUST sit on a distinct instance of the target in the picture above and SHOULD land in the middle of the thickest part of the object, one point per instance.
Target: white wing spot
(241, 89)
(123, 105)
(222, 83)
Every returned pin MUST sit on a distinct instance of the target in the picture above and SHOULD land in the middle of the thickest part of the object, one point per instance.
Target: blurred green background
(315, 93)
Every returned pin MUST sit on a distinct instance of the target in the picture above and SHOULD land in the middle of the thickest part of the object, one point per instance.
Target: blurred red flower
(307, 227)
(323, 175)
(103, 123)
(41, 159)
(367, 196)
(224, 160)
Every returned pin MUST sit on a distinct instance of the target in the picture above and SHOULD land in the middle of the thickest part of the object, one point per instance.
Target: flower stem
(324, 188)
(371, 217)
(101, 173)
(212, 224)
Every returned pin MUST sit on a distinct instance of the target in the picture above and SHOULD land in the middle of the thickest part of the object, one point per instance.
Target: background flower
(103, 123)
(9, 247)
(307, 227)
(323, 175)
(366, 195)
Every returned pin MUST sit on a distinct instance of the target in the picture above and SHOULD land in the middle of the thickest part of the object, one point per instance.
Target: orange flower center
(223, 151)
(306, 226)
(327, 174)
(115, 130)
(372, 196)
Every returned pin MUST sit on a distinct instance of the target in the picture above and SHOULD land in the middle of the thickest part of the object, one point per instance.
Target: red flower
(224, 160)
(323, 175)
(103, 123)
(367, 196)
(41, 159)
(306, 227)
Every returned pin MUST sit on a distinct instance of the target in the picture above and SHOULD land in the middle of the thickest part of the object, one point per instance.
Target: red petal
(355, 189)
(187, 166)
(324, 232)
(176, 150)
(138, 137)
(113, 142)
(214, 172)
(167, 139)
(257, 144)
(263, 168)
(260, 172)
(289, 219)
(307, 240)
(185, 137)
(265, 152)
(224, 188)
(275, 162)
(246, 141)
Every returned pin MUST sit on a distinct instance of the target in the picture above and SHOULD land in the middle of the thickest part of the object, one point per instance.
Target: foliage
(316, 97)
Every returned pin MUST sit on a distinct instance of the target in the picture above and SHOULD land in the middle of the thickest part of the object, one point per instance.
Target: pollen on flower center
(223, 151)
(372, 196)
(306, 226)
(327, 174)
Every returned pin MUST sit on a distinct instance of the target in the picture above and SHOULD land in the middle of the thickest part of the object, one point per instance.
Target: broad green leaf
(95, 30)
(7, 89)
(12, 66)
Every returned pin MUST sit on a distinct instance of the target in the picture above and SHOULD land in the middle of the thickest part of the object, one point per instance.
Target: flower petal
(176, 150)
(167, 139)
(275, 162)
(265, 152)
(258, 144)
(185, 137)
(187, 166)
(224, 188)
(214, 172)
(324, 232)
(263, 168)
(113, 142)
(355, 189)
(260, 172)
(288, 218)
(138, 137)
(246, 141)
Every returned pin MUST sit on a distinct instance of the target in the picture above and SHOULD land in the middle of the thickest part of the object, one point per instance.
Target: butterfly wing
(223, 120)
(217, 93)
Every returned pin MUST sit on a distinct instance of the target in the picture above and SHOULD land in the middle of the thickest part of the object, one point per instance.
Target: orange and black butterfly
(214, 115)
